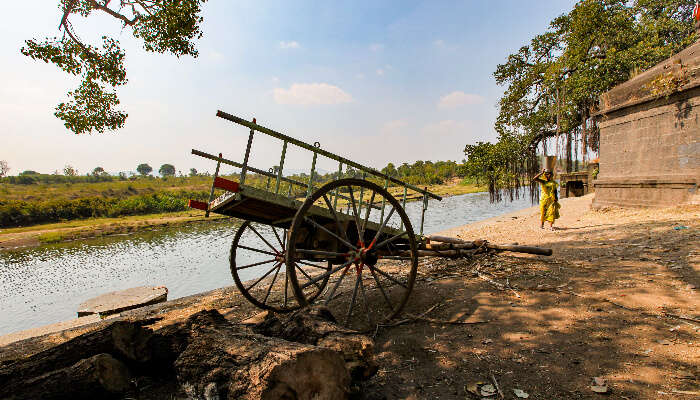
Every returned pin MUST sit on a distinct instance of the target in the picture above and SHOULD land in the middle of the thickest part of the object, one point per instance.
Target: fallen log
(446, 243)
(304, 356)
(123, 340)
(317, 326)
(100, 376)
(220, 358)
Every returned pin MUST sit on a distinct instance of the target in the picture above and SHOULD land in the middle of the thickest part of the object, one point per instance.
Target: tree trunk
(124, 340)
(100, 376)
(303, 356)
(222, 358)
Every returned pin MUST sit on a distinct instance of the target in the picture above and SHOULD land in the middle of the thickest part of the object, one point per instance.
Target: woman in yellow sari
(549, 199)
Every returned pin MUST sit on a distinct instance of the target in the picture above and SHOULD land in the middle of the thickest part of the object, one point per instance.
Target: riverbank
(30, 236)
(618, 300)
(36, 235)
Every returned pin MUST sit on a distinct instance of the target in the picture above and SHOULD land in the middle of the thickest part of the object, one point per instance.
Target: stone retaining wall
(650, 145)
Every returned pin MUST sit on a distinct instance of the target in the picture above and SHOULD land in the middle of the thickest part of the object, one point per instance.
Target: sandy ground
(617, 300)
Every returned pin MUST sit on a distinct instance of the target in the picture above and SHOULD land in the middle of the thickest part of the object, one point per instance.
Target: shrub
(22, 213)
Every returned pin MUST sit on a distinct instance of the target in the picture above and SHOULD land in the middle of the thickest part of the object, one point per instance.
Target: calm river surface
(44, 285)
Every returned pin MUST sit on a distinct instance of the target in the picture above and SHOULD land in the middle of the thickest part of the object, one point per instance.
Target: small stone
(599, 385)
(488, 390)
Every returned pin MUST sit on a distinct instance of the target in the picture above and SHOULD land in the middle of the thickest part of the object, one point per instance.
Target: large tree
(163, 26)
(167, 170)
(144, 169)
(553, 83)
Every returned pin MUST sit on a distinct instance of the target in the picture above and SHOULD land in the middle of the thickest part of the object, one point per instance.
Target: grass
(51, 237)
(115, 189)
(65, 206)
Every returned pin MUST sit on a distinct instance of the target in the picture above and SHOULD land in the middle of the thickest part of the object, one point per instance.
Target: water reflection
(46, 284)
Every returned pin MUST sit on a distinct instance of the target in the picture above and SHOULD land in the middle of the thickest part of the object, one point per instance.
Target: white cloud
(393, 127)
(311, 94)
(360, 76)
(289, 45)
(275, 79)
(459, 98)
(380, 72)
(375, 47)
(439, 43)
(215, 55)
(445, 128)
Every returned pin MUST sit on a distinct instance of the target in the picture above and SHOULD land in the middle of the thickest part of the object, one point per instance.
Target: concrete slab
(114, 302)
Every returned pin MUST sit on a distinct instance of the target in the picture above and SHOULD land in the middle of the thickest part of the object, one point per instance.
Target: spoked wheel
(258, 267)
(365, 233)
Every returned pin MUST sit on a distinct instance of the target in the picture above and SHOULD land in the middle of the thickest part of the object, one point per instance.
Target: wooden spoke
(321, 253)
(311, 265)
(381, 227)
(381, 288)
(252, 228)
(335, 287)
(278, 237)
(256, 250)
(329, 273)
(354, 212)
(335, 217)
(274, 278)
(352, 302)
(261, 278)
(387, 241)
(389, 277)
(308, 277)
(323, 228)
(255, 264)
(369, 209)
(364, 300)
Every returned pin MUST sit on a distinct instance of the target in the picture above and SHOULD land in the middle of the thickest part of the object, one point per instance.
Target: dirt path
(618, 300)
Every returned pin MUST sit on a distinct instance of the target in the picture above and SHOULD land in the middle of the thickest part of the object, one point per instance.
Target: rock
(599, 385)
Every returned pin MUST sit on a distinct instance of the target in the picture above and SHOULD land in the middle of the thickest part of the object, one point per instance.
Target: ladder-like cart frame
(320, 240)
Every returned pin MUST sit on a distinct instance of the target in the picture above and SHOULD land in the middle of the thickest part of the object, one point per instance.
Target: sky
(373, 81)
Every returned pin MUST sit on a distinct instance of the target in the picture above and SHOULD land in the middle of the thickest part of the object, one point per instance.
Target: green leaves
(554, 83)
(172, 28)
(91, 108)
(165, 26)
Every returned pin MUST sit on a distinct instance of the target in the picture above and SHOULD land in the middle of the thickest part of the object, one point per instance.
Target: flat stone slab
(122, 300)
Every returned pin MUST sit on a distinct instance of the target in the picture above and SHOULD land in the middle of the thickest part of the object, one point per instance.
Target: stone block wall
(650, 152)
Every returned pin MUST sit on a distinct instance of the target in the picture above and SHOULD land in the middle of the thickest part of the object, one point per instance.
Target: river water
(44, 285)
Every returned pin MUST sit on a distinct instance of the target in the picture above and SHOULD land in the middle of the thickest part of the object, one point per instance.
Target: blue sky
(376, 82)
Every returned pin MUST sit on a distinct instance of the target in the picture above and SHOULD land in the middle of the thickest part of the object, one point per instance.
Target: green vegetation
(22, 213)
(51, 237)
(144, 169)
(167, 170)
(163, 26)
(553, 84)
(41, 198)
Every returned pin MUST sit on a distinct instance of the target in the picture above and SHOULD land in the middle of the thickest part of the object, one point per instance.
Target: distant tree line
(71, 175)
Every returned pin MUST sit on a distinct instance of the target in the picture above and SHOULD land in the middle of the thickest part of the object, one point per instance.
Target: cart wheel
(357, 240)
(263, 256)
